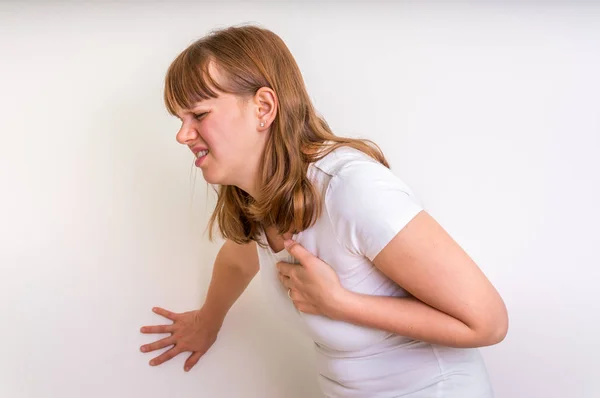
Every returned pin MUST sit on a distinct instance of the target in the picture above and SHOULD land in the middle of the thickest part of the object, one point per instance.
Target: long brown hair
(251, 57)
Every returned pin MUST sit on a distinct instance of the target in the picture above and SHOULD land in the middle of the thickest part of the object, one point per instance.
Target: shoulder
(355, 177)
(341, 158)
(366, 202)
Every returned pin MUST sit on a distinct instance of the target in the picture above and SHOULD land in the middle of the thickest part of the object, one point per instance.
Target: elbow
(497, 334)
(495, 331)
(488, 336)
(489, 327)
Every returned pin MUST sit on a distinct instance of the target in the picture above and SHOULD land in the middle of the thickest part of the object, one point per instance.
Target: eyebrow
(190, 110)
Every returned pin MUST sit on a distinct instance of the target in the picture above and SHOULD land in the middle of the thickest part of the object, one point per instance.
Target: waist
(400, 366)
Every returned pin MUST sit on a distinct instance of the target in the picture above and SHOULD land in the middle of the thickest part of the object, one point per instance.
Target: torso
(355, 361)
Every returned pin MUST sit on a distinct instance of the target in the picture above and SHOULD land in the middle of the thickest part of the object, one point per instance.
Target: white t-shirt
(365, 206)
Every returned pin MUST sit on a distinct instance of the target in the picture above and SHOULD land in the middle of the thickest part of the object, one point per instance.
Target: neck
(249, 182)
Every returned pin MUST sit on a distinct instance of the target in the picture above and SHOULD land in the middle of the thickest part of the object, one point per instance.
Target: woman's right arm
(196, 331)
(234, 268)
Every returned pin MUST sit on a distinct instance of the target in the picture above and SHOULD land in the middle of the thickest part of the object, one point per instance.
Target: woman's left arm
(454, 304)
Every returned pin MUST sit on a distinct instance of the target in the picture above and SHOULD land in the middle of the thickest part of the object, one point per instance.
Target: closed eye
(199, 116)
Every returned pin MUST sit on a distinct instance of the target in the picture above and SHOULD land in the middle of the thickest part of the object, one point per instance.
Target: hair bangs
(188, 81)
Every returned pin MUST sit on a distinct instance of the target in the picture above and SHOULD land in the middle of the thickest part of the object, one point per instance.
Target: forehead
(192, 90)
(188, 84)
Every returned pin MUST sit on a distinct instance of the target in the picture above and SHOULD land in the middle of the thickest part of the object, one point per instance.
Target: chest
(275, 239)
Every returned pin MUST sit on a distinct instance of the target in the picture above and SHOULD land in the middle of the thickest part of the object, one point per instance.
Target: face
(228, 127)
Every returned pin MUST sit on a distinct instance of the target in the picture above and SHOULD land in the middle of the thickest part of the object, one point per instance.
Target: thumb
(297, 251)
(192, 360)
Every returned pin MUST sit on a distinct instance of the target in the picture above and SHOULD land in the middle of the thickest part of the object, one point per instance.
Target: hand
(315, 286)
(194, 331)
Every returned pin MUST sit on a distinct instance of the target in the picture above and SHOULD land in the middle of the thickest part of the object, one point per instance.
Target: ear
(265, 100)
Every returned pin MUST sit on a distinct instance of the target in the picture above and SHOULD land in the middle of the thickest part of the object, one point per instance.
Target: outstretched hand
(193, 331)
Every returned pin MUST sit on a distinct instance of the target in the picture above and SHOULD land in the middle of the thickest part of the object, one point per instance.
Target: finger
(157, 329)
(298, 251)
(302, 304)
(192, 360)
(285, 268)
(308, 309)
(157, 345)
(165, 356)
(285, 281)
(167, 314)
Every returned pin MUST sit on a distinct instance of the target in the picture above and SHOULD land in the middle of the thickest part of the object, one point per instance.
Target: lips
(200, 153)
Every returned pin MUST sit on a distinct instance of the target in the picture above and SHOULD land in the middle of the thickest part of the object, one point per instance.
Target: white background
(490, 113)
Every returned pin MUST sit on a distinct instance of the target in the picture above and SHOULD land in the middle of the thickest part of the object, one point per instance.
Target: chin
(212, 179)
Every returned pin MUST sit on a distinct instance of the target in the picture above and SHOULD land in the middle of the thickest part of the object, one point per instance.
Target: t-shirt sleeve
(368, 205)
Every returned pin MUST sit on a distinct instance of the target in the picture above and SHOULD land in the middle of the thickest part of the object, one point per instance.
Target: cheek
(227, 137)
(208, 131)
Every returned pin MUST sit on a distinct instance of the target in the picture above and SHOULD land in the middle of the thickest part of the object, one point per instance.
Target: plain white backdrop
(490, 113)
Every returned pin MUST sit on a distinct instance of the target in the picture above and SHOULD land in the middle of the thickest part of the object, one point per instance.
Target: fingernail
(288, 242)
(144, 349)
(152, 363)
(186, 369)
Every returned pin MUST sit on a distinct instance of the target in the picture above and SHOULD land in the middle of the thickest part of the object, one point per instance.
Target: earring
(262, 124)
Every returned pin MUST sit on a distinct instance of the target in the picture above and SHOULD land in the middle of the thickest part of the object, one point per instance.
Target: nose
(186, 134)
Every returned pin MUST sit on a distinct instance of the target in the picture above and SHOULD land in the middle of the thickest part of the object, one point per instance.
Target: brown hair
(251, 57)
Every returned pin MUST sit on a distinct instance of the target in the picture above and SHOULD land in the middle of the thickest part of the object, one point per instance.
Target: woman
(394, 305)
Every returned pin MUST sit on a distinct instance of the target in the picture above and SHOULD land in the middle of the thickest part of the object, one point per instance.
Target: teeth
(202, 153)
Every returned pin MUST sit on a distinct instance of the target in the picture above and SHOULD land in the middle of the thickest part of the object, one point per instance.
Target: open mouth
(202, 154)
